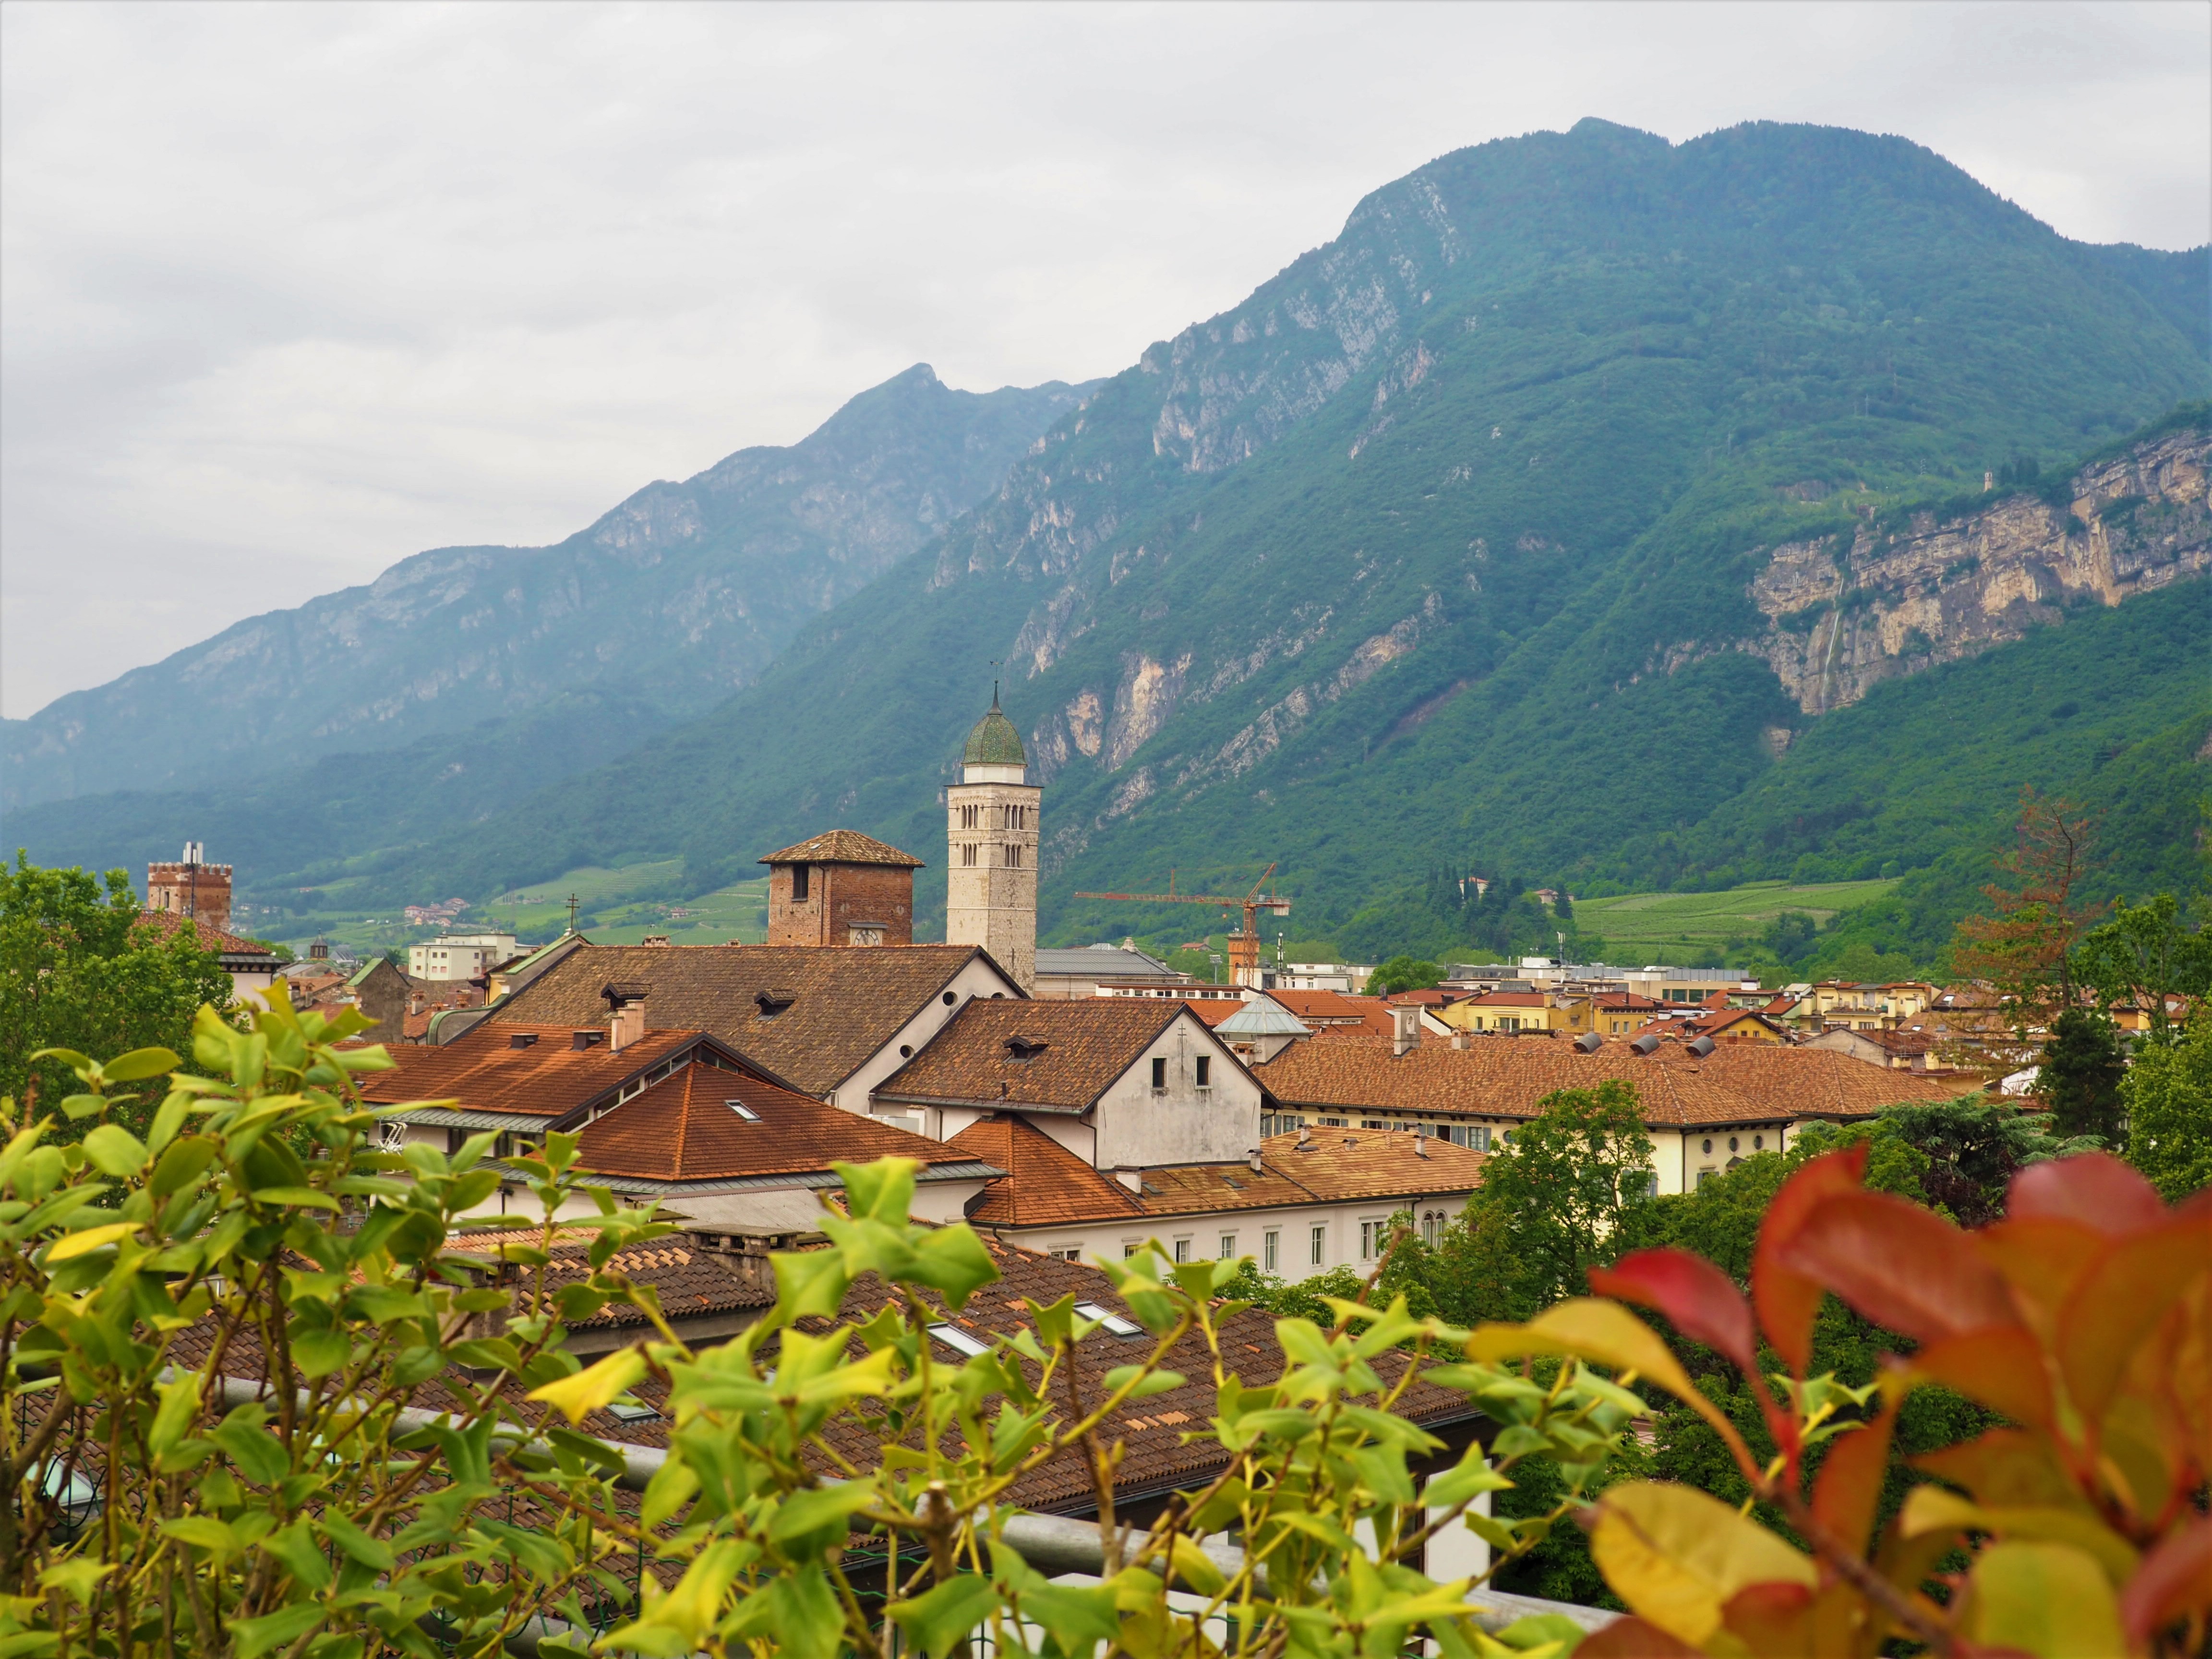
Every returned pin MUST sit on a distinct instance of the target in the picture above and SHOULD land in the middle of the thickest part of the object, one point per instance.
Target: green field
(622, 906)
(1638, 925)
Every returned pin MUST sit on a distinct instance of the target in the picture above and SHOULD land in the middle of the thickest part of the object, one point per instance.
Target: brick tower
(991, 848)
(191, 887)
(843, 888)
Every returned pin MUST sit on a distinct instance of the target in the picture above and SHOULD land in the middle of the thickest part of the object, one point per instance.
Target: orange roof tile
(685, 1129)
(1049, 1056)
(844, 847)
(1328, 1008)
(846, 1004)
(548, 1078)
(1510, 1077)
(1046, 1185)
(166, 924)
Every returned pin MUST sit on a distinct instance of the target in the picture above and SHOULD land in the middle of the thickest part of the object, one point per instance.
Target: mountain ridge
(1537, 416)
(672, 598)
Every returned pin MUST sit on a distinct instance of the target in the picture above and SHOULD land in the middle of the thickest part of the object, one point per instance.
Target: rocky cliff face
(675, 599)
(1848, 611)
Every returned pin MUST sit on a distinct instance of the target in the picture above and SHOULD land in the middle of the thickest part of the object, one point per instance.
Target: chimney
(1305, 1138)
(1132, 1179)
(627, 1026)
(1252, 1155)
(1405, 1029)
(1420, 1140)
(1462, 1039)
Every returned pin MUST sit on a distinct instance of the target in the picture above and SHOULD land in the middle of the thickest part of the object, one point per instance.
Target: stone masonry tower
(991, 847)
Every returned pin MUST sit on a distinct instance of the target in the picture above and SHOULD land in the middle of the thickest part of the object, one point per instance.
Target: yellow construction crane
(1243, 947)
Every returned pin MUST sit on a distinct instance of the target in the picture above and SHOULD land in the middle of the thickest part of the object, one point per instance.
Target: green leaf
(115, 1150)
(89, 1239)
(295, 1550)
(258, 1455)
(174, 1417)
(1155, 1383)
(882, 1191)
(2050, 1600)
(318, 1353)
(356, 1545)
(818, 1509)
(77, 1578)
(808, 1282)
(953, 1262)
(300, 1197)
(935, 1622)
(182, 1163)
(204, 1532)
(250, 1637)
(1470, 1478)
(140, 1064)
(578, 1396)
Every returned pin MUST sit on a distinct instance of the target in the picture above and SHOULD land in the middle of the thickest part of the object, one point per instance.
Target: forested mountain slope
(1443, 546)
(666, 604)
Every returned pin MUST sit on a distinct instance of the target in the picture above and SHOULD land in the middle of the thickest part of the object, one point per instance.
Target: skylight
(742, 1111)
(631, 1410)
(958, 1340)
(1114, 1323)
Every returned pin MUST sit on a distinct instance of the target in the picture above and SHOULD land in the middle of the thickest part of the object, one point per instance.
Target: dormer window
(774, 1001)
(1025, 1048)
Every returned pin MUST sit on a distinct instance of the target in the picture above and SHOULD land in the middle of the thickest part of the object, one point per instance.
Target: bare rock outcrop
(1845, 618)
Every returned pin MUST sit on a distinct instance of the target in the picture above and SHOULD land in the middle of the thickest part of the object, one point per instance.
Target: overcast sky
(287, 292)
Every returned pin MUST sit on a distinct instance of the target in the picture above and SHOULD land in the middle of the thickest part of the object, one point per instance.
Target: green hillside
(1434, 555)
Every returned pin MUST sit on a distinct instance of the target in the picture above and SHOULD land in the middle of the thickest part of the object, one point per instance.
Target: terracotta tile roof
(844, 847)
(1508, 1076)
(690, 1279)
(548, 1080)
(1213, 1010)
(1046, 1185)
(1155, 1456)
(1151, 1430)
(1328, 1008)
(1430, 998)
(1086, 1045)
(846, 1004)
(684, 1129)
(166, 924)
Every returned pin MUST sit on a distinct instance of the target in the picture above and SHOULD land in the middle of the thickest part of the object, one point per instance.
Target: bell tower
(991, 848)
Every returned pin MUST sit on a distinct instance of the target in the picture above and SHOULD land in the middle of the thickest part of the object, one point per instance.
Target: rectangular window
(1370, 1239)
(1228, 1250)
(1067, 1252)
(1014, 857)
(1271, 1249)
(1204, 1071)
(798, 873)
(1130, 1246)
(1182, 1249)
(1159, 1075)
(1320, 1251)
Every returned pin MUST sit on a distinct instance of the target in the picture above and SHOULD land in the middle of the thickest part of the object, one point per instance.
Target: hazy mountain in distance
(1467, 539)
(669, 602)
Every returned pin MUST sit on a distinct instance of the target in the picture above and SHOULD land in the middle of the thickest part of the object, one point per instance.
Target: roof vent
(1589, 1042)
(1646, 1044)
(621, 991)
(581, 1040)
(655, 938)
(1023, 1048)
(1702, 1047)
(522, 1039)
(774, 1000)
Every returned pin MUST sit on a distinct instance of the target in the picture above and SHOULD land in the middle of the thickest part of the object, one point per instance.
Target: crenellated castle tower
(991, 848)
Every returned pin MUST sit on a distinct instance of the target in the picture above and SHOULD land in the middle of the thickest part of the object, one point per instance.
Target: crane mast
(1244, 946)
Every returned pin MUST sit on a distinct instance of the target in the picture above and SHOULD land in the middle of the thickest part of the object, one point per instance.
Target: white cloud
(295, 291)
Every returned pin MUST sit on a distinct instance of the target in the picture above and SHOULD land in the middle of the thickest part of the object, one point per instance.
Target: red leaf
(2119, 1302)
(2174, 1581)
(1847, 1492)
(1632, 1638)
(2095, 1189)
(1787, 1301)
(1772, 1617)
(1701, 1300)
(1905, 1268)
(2004, 1369)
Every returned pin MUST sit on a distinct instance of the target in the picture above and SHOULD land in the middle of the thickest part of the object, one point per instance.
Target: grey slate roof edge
(994, 1104)
(456, 1117)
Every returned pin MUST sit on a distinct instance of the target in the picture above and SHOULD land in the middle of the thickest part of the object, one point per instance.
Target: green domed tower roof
(994, 742)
